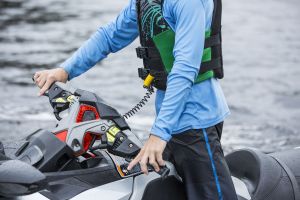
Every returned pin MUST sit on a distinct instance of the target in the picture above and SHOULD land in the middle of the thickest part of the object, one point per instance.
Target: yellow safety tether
(148, 80)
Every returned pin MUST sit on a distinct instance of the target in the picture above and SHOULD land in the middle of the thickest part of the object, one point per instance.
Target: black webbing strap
(216, 51)
(151, 52)
(211, 65)
(217, 18)
(147, 52)
(212, 41)
(143, 73)
(206, 66)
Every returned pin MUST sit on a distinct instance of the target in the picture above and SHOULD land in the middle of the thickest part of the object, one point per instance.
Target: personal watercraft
(86, 155)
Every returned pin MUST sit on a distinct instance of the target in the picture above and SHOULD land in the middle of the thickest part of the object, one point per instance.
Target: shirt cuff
(157, 131)
(67, 66)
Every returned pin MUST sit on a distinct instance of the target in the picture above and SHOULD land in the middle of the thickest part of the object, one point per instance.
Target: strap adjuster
(143, 73)
(147, 52)
(142, 52)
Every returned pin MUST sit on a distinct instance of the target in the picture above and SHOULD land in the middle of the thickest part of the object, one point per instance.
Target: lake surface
(261, 57)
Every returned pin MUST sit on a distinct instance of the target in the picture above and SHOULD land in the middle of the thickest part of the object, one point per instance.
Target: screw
(121, 138)
(130, 145)
(103, 128)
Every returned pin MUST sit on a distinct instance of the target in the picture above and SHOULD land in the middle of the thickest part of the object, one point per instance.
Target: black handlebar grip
(163, 170)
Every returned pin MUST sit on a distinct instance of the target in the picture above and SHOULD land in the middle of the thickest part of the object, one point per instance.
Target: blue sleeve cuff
(160, 133)
(68, 68)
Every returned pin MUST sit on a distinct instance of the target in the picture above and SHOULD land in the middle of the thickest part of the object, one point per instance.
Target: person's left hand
(150, 153)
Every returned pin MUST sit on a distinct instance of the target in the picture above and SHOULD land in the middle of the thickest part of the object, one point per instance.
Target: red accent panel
(87, 140)
(62, 135)
(89, 155)
(82, 110)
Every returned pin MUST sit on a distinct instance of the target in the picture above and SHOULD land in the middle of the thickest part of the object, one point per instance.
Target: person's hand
(150, 153)
(44, 79)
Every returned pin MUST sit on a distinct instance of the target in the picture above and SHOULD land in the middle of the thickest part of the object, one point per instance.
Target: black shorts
(199, 160)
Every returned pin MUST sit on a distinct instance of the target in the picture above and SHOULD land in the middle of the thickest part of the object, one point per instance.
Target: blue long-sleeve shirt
(184, 105)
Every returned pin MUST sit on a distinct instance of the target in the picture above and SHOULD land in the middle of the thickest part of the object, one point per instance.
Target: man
(181, 49)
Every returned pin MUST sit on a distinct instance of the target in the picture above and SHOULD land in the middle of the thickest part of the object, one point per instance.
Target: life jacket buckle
(143, 73)
(141, 52)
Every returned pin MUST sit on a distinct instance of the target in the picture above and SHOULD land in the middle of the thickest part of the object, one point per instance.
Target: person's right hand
(44, 79)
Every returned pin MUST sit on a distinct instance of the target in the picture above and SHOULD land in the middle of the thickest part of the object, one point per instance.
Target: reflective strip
(213, 165)
(113, 131)
(110, 138)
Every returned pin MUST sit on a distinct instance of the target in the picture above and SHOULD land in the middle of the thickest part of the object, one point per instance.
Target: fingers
(160, 160)
(143, 163)
(40, 81)
(40, 78)
(152, 161)
(44, 79)
(136, 160)
(144, 158)
(46, 86)
(36, 75)
(152, 153)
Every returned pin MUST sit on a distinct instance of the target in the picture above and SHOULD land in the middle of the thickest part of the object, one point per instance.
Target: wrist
(164, 137)
(63, 75)
(160, 132)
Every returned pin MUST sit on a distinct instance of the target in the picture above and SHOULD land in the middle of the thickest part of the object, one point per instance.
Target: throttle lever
(56, 114)
(163, 170)
(136, 170)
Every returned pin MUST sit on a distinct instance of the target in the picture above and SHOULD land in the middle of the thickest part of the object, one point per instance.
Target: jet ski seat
(292, 159)
(266, 177)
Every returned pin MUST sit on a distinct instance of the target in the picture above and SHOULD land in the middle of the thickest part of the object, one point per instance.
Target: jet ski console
(90, 146)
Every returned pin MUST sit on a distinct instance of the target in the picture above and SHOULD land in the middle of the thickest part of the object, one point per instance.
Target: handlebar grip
(163, 170)
(136, 170)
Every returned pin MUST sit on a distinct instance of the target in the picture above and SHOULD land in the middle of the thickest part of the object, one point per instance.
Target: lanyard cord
(139, 105)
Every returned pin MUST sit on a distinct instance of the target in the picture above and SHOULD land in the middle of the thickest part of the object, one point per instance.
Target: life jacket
(157, 41)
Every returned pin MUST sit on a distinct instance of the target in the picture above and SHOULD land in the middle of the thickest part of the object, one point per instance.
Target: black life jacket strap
(151, 52)
(143, 73)
(211, 65)
(206, 66)
(216, 30)
(147, 52)
(212, 41)
(215, 63)
(217, 18)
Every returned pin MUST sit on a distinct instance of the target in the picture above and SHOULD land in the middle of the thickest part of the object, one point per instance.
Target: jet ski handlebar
(91, 125)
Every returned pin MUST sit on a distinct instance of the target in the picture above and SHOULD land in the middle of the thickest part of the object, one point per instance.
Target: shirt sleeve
(189, 16)
(110, 38)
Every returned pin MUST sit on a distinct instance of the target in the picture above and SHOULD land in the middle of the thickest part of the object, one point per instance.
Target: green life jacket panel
(157, 43)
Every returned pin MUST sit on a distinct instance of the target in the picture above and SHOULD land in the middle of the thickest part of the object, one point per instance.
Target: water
(261, 56)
